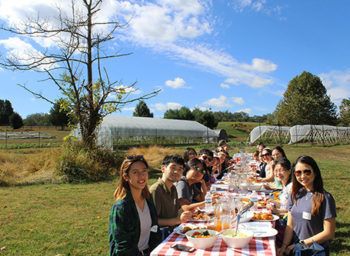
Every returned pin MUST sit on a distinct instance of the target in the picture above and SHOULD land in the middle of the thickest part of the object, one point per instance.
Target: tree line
(56, 117)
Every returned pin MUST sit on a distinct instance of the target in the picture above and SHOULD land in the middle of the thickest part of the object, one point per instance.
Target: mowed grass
(70, 219)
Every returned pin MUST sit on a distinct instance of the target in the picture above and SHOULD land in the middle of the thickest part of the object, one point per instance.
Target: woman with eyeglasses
(133, 219)
(311, 209)
(283, 174)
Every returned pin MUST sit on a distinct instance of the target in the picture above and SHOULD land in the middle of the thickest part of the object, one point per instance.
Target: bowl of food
(240, 240)
(202, 238)
(254, 186)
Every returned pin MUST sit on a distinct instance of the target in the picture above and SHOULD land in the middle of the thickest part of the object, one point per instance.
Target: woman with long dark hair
(311, 209)
(133, 222)
(283, 174)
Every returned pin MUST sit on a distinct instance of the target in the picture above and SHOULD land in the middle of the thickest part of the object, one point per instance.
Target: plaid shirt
(124, 227)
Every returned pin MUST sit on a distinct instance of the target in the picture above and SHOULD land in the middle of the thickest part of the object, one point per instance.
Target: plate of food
(200, 216)
(261, 204)
(182, 229)
(264, 216)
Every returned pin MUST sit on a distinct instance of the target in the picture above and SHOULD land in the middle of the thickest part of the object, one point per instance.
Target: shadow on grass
(337, 244)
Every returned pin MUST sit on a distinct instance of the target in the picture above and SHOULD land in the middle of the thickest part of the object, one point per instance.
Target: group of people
(309, 209)
(141, 218)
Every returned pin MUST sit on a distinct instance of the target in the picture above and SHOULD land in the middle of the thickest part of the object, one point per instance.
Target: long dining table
(264, 246)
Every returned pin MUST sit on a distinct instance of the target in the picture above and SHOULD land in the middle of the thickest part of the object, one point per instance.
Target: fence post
(39, 139)
(6, 138)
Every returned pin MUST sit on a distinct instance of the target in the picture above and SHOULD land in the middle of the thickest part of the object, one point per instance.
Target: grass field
(72, 219)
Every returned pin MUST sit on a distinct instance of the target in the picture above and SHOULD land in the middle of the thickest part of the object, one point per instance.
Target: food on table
(261, 204)
(188, 228)
(200, 215)
(202, 234)
(262, 216)
(245, 199)
(240, 234)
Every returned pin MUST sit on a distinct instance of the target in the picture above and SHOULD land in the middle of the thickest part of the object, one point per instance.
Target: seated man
(165, 196)
(186, 187)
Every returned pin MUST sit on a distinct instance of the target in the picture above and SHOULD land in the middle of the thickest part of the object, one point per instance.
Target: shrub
(78, 164)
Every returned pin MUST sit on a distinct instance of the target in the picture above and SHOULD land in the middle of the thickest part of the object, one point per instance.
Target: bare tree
(79, 38)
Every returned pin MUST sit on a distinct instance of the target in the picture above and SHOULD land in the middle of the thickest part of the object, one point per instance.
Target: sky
(218, 55)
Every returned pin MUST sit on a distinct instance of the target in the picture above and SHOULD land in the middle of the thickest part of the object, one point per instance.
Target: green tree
(344, 112)
(76, 64)
(142, 110)
(172, 114)
(6, 111)
(185, 114)
(305, 102)
(58, 115)
(37, 119)
(206, 118)
(16, 120)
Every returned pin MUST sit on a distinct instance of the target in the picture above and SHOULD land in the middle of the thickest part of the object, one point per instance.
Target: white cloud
(177, 83)
(224, 85)
(129, 109)
(238, 100)
(220, 102)
(129, 89)
(261, 65)
(24, 53)
(165, 107)
(337, 84)
(245, 110)
(165, 26)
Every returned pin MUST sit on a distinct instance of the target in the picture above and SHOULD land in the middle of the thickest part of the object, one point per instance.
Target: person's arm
(288, 235)
(191, 207)
(271, 177)
(122, 231)
(201, 196)
(327, 233)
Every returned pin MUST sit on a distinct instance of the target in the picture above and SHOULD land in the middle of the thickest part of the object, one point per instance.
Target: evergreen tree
(142, 110)
(59, 116)
(6, 111)
(305, 102)
(344, 112)
(16, 121)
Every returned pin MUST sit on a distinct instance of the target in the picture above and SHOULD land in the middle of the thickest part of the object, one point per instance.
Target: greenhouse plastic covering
(114, 126)
(300, 132)
(259, 131)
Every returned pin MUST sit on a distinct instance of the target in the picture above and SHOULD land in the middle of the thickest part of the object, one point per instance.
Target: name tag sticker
(306, 216)
(154, 228)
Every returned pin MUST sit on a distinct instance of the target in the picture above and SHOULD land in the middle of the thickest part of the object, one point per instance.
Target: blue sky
(235, 55)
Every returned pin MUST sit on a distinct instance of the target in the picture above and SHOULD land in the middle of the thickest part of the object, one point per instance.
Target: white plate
(246, 217)
(259, 230)
(275, 217)
(179, 229)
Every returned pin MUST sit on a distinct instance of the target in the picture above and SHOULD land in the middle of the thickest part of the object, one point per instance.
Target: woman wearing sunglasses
(133, 219)
(311, 209)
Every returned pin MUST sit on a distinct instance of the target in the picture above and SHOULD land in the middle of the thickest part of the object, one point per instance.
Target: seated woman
(283, 173)
(278, 152)
(189, 153)
(311, 209)
(133, 219)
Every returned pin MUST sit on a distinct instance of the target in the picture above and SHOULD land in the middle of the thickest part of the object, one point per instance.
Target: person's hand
(266, 186)
(186, 216)
(289, 249)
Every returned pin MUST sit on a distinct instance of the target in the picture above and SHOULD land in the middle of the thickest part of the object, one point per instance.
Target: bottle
(208, 200)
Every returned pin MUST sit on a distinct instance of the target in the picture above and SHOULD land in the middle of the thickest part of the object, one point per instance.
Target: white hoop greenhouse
(118, 128)
(271, 132)
(298, 133)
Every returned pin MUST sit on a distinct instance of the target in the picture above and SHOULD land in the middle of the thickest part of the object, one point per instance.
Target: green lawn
(72, 219)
